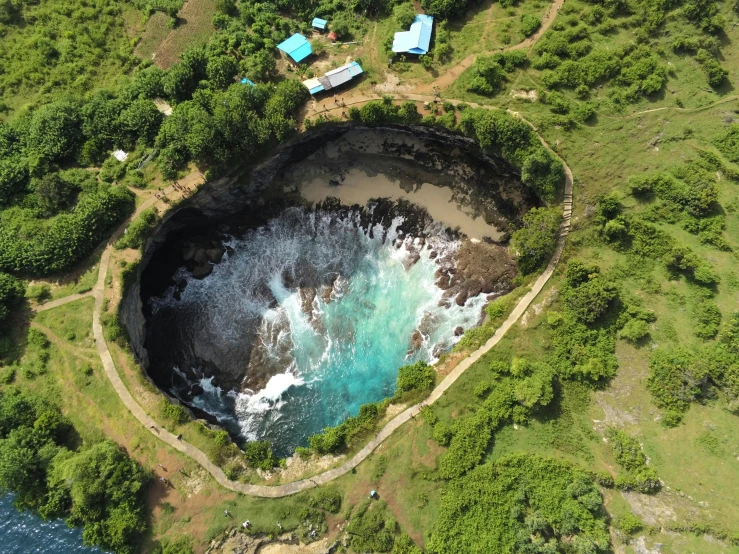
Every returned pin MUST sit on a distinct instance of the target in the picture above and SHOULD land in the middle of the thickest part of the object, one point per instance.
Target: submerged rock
(201, 271)
(416, 341)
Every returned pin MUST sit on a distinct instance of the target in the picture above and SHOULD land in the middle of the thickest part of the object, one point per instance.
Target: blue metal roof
(417, 39)
(297, 47)
(246, 81)
(319, 23)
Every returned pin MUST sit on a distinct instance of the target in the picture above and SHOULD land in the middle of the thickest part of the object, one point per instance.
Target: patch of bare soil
(530, 95)
(536, 309)
(296, 467)
(237, 542)
(652, 509)
(617, 401)
(318, 547)
(392, 83)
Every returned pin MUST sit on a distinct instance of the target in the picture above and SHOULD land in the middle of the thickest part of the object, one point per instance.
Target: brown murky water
(359, 188)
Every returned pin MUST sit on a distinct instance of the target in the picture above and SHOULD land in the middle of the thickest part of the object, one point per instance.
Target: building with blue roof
(418, 39)
(319, 23)
(296, 48)
(246, 81)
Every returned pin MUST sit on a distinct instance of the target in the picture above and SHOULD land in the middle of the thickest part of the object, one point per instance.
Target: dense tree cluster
(680, 375)
(510, 137)
(630, 232)
(52, 218)
(98, 486)
(521, 503)
(446, 9)
(488, 72)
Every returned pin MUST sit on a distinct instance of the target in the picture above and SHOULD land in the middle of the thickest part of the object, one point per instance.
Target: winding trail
(451, 74)
(276, 491)
(61, 301)
(287, 489)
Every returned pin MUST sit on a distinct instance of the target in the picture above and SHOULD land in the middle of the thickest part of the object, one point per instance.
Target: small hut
(319, 24)
(296, 48)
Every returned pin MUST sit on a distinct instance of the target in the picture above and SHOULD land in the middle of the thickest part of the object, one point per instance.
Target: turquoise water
(328, 353)
(24, 533)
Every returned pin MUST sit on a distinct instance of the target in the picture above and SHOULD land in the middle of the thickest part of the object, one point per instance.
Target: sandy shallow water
(359, 188)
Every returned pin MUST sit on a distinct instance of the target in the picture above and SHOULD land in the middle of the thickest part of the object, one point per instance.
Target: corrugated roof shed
(246, 81)
(297, 47)
(342, 74)
(319, 23)
(417, 39)
(334, 78)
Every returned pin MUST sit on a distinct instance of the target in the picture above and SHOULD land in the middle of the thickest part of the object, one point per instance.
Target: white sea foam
(332, 355)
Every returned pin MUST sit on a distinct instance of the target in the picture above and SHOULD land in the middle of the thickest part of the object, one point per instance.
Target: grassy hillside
(620, 384)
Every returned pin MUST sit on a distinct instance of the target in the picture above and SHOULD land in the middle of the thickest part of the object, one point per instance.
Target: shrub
(416, 377)
(530, 24)
(138, 231)
(634, 330)
(543, 173)
(175, 412)
(333, 439)
(672, 379)
(629, 455)
(404, 15)
(326, 498)
(534, 243)
(587, 294)
(628, 524)
(487, 76)
(37, 339)
(259, 454)
(40, 292)
(472, 434)
(715, 74)
(626, 450)
(728, 142)
(372, 528)
(706, 318)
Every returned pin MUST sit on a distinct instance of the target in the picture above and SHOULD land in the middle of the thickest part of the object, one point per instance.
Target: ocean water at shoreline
(329, 349)
(26, 533)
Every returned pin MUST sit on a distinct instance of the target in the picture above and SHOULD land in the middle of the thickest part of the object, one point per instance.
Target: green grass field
(697, 461)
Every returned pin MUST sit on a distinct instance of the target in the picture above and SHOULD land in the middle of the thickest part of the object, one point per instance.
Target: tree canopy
(97, 486)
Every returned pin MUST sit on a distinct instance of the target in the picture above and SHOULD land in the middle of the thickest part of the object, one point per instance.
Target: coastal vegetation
(96, 486)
